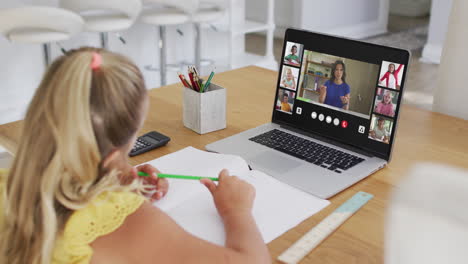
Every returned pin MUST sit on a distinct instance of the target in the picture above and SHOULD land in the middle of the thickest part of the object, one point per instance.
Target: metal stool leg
(47, 54)
(104, 40)
(162, 54)
(164, 67)
(197, 46)
(199, 62)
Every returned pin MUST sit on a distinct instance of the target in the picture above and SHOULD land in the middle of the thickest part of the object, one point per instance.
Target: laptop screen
(341, 89)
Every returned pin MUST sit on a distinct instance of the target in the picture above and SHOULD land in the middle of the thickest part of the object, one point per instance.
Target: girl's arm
(399, 68)
(385, 76)
(345, 101)
(323, 94)
(150, 236)
(396, 76)
(294, 84)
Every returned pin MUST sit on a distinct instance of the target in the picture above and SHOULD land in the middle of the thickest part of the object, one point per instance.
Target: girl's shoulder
(103, 215)
(344, 86)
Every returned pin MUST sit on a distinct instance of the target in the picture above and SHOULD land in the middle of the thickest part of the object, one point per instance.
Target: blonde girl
(71, 196)
(386, 107)
(289, 81)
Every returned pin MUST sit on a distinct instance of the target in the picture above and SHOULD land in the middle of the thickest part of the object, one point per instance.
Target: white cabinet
(352, 19)
(239, 25)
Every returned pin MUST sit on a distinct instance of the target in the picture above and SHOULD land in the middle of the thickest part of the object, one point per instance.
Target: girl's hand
(345, 99)
(231, 195)
(159, 185)
(323, 89)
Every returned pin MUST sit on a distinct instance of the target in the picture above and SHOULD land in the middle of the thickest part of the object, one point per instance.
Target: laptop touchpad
(274, 161)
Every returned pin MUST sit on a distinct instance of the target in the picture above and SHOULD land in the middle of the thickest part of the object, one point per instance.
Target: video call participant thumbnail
(390, 76)
(336, 92)
(289, 77)
(285, 101)
(293, 51)
(380, 129)
(385, 102)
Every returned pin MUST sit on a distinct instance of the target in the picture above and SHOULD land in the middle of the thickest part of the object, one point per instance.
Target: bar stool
(105, 16)
(41, 25)
(208, 11)
(163, 13)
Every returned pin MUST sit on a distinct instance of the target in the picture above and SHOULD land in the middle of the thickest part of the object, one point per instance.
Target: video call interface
(341, 90)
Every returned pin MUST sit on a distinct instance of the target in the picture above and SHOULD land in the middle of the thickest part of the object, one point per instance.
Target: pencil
(183, 80)
(207, 83)
(197, 83)
(194, 84)
(173, 176)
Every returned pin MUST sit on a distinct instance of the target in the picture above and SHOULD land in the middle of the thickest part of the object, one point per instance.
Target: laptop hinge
(327, 140)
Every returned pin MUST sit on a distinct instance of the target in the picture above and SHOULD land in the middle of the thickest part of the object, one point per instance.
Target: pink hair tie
(97, 61)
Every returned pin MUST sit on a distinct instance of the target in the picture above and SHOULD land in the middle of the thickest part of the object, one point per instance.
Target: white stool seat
(207, 15)
(107, 22)
(163, 16)
(37, 36)
(37, 24)
(105, 15)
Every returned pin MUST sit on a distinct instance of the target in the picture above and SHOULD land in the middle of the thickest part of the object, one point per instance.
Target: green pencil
(164, 175)
(207, 83)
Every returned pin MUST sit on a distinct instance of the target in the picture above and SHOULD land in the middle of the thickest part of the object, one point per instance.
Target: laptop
(334, 117)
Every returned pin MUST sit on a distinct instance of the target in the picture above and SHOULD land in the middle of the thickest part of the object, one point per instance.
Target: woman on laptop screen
(336, 92)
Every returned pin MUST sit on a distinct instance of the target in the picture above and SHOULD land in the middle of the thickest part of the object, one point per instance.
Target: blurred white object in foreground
(427, 220)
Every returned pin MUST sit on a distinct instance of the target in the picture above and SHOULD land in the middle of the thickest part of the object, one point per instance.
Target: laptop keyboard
(307, 150)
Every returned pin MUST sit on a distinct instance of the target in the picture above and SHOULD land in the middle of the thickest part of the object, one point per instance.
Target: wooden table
(422, 136)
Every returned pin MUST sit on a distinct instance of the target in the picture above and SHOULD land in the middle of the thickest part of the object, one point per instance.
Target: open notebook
(277, 207)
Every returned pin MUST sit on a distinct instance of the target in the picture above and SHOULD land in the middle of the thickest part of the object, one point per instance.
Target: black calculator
(147, 142)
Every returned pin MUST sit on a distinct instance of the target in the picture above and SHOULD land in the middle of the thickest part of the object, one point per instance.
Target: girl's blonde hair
(389, 93)
(77, 117)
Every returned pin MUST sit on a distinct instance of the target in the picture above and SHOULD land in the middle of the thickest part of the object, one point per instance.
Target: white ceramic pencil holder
(205, 112)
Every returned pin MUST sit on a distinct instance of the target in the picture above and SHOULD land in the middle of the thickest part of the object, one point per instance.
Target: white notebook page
(278, 207)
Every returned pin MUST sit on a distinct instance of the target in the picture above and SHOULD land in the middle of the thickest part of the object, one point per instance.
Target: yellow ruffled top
(102, 216)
